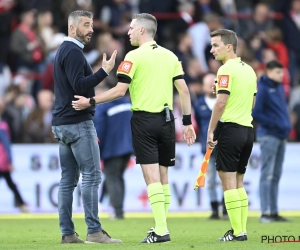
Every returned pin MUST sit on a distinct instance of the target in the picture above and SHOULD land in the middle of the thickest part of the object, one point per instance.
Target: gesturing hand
(81, 104)
(109, 65)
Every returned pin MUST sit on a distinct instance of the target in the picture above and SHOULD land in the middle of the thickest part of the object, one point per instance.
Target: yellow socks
(157, 200)
(167, 193)
(233, 206)
(244, 207)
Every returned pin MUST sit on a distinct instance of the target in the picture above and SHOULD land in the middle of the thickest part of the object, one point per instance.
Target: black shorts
(234, 147)
(153, 138)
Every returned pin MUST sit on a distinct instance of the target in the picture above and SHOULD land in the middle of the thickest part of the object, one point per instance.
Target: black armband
(186, 120)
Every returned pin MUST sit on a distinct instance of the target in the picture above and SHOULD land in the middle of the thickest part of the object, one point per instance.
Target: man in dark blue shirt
(75, 131)
(272, 115)
(112, 122)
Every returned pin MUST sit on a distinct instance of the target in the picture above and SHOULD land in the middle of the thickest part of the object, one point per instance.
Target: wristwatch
(92, 101)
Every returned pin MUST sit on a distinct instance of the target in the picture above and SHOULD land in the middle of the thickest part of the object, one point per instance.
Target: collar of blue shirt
(71, 39)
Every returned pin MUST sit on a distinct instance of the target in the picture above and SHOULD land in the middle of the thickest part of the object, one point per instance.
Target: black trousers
(18, 199)
(114, 169)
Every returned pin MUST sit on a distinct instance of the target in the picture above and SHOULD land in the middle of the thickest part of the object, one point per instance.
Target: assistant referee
(230, 129)
(150, 72)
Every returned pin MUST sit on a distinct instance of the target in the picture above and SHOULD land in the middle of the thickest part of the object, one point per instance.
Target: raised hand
(109, 65)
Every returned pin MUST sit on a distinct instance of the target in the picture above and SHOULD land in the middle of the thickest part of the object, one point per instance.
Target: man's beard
(81, 37)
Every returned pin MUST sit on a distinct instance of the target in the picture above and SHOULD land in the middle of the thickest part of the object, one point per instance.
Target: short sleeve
(224, 81)
(255, 86)
(128, 66)
(178, 69)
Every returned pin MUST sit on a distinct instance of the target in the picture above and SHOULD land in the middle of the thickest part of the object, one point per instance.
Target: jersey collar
(147, 43)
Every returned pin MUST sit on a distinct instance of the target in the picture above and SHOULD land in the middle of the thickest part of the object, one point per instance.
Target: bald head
(208, 82)
(45, 99)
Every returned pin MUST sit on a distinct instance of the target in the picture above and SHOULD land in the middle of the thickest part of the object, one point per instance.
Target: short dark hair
(273, 64)
(227, 37)
(75, 16)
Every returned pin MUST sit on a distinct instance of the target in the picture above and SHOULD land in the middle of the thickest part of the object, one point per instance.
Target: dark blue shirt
(271, 110)
(73, 76)
(202, 115)
(112, 123)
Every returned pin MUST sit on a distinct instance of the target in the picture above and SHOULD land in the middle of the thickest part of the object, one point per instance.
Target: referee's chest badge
(125, 67)
(223, 81)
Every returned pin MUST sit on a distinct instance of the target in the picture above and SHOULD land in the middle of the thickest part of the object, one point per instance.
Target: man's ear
(229, 46)
(142, 30)
(72, 29)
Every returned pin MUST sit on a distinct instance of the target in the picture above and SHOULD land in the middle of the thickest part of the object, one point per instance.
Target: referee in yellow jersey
(230, 130)
(150, 72)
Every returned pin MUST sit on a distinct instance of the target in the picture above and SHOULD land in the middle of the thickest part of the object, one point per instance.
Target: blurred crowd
(32, 30)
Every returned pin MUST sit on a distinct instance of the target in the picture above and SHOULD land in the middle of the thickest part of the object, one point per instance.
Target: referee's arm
(217, 111)
(114, 93)
(184, 95)
(215, 117)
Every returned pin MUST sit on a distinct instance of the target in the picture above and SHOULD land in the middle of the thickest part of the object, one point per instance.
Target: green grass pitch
(187, 231)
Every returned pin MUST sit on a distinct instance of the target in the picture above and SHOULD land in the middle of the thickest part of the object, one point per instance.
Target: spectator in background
(203, 7)
(112, 123)
(115, 17)
(200, 33)
(273, 40)
(255, 45)
(259, 22)
(185, 20)
(6, 165)
(25, 45)
(203, 108)
(295, 96)
(183, 49)
(193, 77)
(6, 20)
(295, 119)
(5, 78)
(290, 26)
(213, 65)
(271, 114)
(18, 106)
(230, 20)
(45, 29)
(48, 80)
(27, 49)
(37, 128)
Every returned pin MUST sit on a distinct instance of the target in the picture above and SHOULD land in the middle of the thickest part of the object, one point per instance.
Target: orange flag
(200, 182)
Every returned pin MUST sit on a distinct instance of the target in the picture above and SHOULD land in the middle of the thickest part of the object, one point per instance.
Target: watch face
(92, 101)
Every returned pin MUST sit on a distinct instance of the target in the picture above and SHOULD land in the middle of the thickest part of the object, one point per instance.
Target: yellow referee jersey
(239, 80)
(150, 70)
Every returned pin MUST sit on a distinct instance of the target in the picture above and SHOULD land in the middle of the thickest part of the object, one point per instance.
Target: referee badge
(223, 81)
(125, 67)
